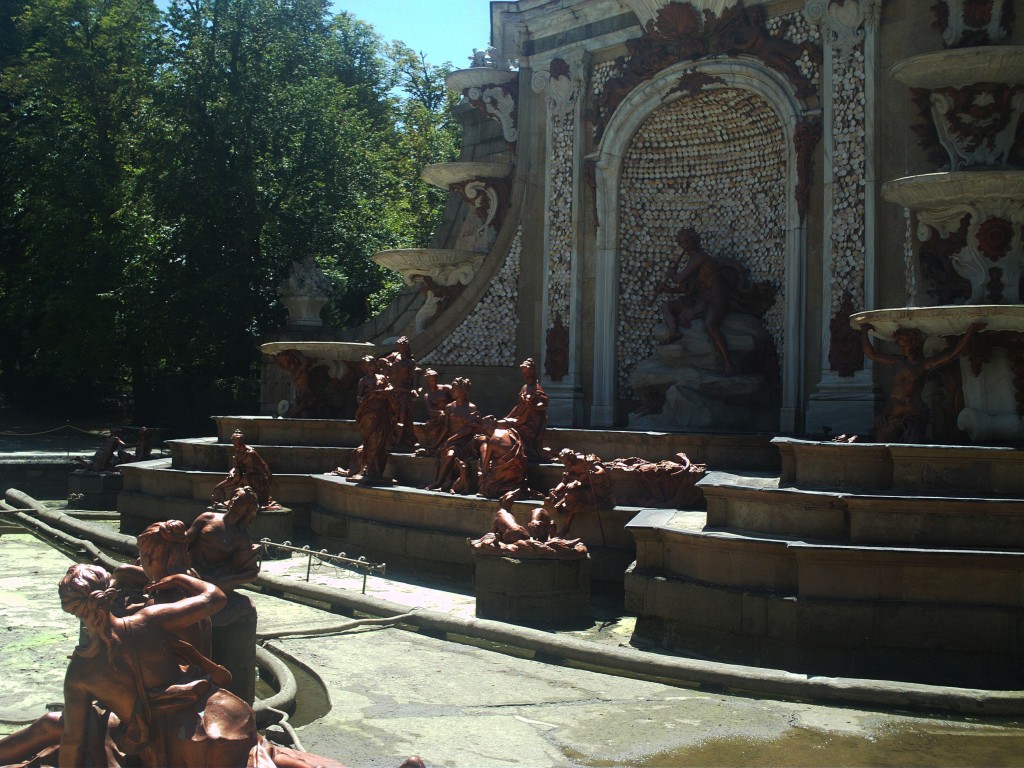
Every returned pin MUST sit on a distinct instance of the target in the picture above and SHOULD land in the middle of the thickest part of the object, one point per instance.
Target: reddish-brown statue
(503, 462)
(461, 424)
(404, 375)
(220, 544)
(666, 483)
(247, 468)
(436, 397)
(508, 538)
(905, 419)
(708, 289)
(108, 456)
(585, 487)
(530, 413)
(375, 416)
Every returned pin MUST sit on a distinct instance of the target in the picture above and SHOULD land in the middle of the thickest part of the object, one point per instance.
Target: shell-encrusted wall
(560, 233)
(717, 162)
(795, 28)
(849, 177)
(488, 334)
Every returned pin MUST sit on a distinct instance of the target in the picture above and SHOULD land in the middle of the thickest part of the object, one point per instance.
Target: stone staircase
(860, 560)
(402, 524)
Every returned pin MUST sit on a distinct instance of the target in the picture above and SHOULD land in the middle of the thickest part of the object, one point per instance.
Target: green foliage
(160, 172)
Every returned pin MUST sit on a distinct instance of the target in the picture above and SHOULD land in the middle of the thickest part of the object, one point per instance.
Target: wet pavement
(378, 694)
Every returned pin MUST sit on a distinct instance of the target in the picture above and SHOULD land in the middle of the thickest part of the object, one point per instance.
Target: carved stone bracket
(993, 242)
(486, 198)
(975, 125)
(497, 102)
(843, 22)
(972, 22)
(559, 84)
(681, 33)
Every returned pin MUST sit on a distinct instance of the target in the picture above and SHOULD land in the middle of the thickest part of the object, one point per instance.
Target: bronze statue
(585, 487)
(507, 538)
(436, 396)
(297, 366)
(503, 462)
(107, 457)
(905, 419)
(375, 416)
(530, 413)
(167, 697)
(461, 423)
(247, 468)
(708, 289)
(222, 549)
(404, 375)
(667, 483)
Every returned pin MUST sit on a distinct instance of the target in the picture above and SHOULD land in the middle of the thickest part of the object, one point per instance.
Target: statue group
(142, 688)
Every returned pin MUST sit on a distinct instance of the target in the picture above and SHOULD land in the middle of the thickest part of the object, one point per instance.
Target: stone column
(560, 82)
(845, 397)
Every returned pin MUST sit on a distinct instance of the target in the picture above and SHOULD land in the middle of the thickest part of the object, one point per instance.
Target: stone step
(734, 452)
(680, 545)
(934, 469)
(761, 504)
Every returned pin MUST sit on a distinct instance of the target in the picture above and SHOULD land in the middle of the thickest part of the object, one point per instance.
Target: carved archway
(763, 87)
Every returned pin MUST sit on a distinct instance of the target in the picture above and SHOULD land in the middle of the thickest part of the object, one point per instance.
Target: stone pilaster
(559, 82)
(845, 397)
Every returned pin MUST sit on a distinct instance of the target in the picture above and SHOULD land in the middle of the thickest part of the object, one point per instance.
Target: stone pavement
(393, 693)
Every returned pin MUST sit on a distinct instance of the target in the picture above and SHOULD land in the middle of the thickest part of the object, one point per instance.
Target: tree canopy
(161, 170)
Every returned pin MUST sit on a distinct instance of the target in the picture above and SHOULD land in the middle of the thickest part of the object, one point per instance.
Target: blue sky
(444, 30)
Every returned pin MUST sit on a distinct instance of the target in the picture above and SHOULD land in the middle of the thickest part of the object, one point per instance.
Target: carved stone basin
(324, 350)
(444, 175)
(445, 267)
(941, 321)
(991, 409)
(958, 67)
(478, 77)
(938, 190)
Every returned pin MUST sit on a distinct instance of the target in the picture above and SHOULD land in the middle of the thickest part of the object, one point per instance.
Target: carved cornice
(679, 33)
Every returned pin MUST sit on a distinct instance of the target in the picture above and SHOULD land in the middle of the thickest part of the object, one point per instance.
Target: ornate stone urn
(304, 293)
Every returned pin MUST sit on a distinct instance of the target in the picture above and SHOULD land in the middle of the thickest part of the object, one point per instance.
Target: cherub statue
(905, 419)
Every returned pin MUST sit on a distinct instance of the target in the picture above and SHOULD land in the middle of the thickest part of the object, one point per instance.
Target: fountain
(973, 214)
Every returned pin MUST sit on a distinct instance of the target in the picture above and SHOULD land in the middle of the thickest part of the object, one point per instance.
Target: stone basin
(938, 190)
(444, 175)
(960, 67)
(478, 77)
(941, 321)
(324, 350)
(446, 267)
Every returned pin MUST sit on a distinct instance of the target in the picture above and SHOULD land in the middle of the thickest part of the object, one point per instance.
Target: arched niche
(767, 90)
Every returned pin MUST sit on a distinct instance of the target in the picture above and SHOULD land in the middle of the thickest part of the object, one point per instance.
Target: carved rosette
(991, 255)
(972, 22)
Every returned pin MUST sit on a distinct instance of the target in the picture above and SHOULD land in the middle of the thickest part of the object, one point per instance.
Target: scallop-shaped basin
(324, 350)
(959, 67)
(478, 77)
(941, 321)
(444, 175)
(448, 267)
(938, 190)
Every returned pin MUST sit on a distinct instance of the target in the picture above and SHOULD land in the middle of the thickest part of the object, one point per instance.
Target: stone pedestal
(532, 591)
(843, 405)
(274, 524)
(94, 490)
(234, 644)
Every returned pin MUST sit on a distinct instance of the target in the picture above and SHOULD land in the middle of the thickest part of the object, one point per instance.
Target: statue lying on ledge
(110, 454)
(507, 538)
(667, 483)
